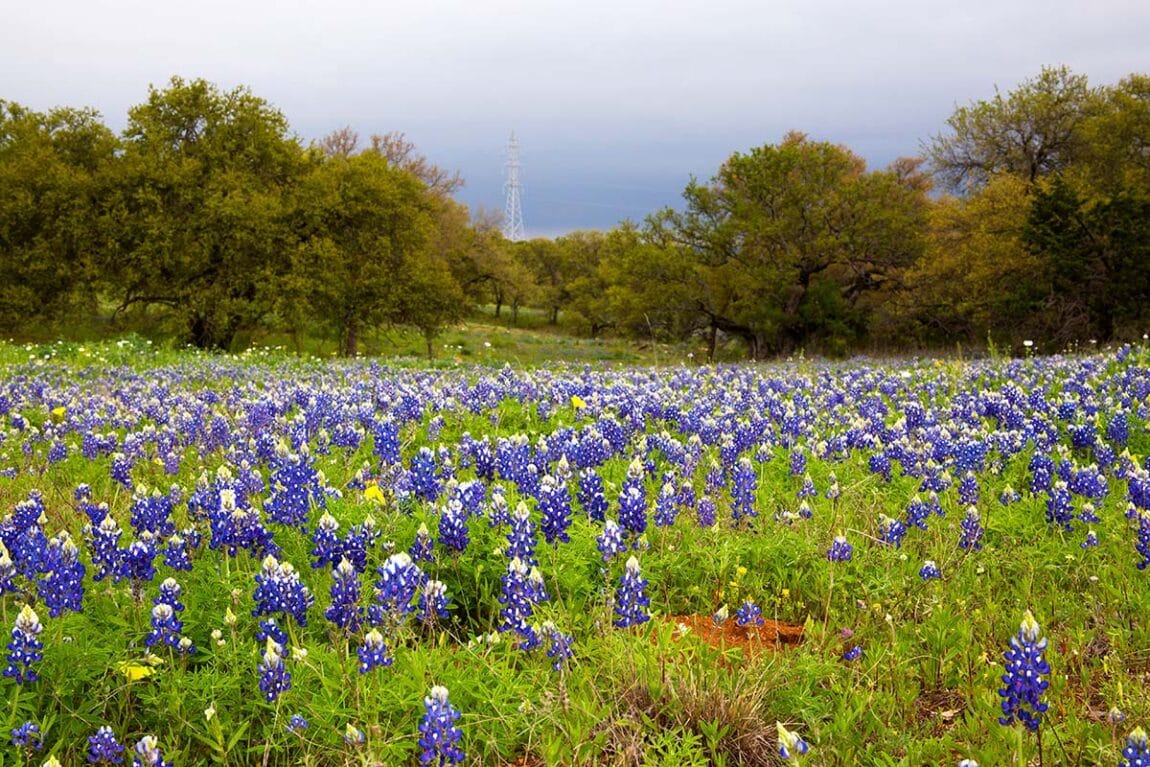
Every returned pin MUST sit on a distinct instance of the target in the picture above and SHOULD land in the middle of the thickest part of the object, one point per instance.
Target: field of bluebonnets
(268, 560)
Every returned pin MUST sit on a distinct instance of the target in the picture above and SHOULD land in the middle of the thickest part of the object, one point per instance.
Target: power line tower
(513, 210)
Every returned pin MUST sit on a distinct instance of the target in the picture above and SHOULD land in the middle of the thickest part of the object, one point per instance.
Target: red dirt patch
(772, 635)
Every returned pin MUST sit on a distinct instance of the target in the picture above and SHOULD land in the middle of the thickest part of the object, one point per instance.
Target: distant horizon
(616, 105)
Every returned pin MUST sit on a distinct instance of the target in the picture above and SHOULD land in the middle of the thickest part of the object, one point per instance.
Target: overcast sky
(616, 103)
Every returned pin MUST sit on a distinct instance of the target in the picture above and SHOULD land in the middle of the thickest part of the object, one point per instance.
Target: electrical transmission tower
(513, 211)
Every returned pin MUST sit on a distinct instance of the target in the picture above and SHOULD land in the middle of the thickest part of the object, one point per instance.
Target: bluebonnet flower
(917, 513)
(590, 495)
(399, 581)
(521, 538)
(453, 526)
(166, 626)
(1023, 679)
(424, 475)
(891, 530)
(327, 547)
(749, 614)
(1136, 752)
(345, 611)
(498, 512)
(833, 491)
(798, 462)
(60, 582)
(518, 600)
(610, 541)
(27, 736)
(433, 603)
(25, 648)
(744, 484)
(791, 746)
(136, 563)
(633, 501)
(295, 485)
(967, 763)
(422, 549)
(121, 469)
(555, 507)
(666, 506)
(721, 615)
(105, 550)
(385, 441)
(274, 676)
(631, 599)
(297, 724)
(929, 571)
(269, 629)
(103, 748)
(968, 490)
(805, 511)
(279, 590)
(854, 653)
(880, 464)
(147, 753)
(808, 488)
(972, 531)
(559, 645)
(705, 511)
(373, 652)
(1059, 508)
(840, 550)
(170, 595)
(176, 554)
(1091, 540)
(1008, 496)
(353, 736)
(1142, 542)
(439, 737)
(7, 571)
(1089, 514)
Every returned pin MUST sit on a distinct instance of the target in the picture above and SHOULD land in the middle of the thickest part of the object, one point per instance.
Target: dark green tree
(54, 168)
(202, 189)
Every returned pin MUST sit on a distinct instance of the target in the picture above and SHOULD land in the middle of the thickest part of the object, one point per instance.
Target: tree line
(1028, 216)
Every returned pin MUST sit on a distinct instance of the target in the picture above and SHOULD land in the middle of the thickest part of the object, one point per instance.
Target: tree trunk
(554, 315)
(428, 337)
(351, 339)
(712, 342)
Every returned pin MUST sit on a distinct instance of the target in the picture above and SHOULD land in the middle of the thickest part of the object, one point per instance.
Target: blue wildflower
(521, 538)
(453, 526)
(854, 653)
(1136, 752)
(27, 736)
(749, 614)
(345, 611)
(891, 530)
(433, 603)
(972, 531)
(930, 571)
(422, 549)
(840, 550)
(103, 748)
(25, 648)
(610, 541)
(147, 753)
(791, 746)
(274, 676)
(744, 484)
(1023, 679)
(631, 598)
(439, 737)
(559, 645)
(279, 590)
(373, 652)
